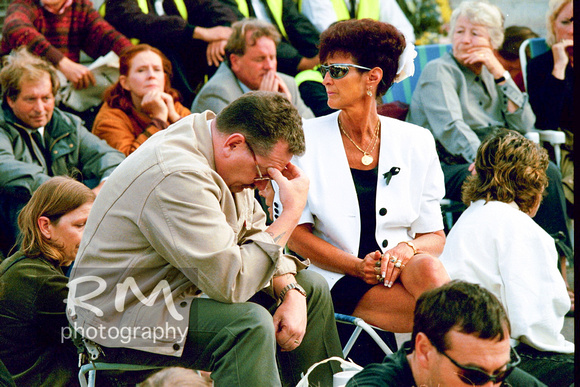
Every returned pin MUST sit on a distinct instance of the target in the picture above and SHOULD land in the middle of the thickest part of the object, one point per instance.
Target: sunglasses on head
(339, 70)
(477, 377)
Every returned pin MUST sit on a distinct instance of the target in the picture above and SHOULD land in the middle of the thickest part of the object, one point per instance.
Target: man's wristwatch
(289, 287)
(505, 76)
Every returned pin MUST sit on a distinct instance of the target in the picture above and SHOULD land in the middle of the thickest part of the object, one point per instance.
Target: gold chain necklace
(367, 157)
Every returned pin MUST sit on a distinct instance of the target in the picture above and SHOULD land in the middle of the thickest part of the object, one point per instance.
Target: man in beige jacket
(176, 245)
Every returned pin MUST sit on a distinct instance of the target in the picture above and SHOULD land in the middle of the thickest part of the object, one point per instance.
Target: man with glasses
(461, 337)
(179, 224)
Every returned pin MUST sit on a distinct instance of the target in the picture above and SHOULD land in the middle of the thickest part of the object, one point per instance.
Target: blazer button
(385, 243)
(183, 304)
(383, 211)
(176, 347)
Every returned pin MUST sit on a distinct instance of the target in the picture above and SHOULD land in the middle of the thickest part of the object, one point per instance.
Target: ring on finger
(392, 259)
(377, 270)
(378, 263)
(398, 263)
(380, 278)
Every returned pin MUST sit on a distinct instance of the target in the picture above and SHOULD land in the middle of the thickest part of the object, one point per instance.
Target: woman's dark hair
(510, 168)
(370, 43)
(119, 98)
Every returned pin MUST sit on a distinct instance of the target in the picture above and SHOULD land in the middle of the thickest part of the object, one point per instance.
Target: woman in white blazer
(372, 224)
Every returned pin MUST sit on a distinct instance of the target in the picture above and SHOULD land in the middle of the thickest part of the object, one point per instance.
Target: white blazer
(409, 204)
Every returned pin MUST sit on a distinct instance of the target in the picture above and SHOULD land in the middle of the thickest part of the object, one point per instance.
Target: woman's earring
(369, 92)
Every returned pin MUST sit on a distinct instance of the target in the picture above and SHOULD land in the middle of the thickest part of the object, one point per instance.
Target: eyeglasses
(338, 70)
(261, 178)
(477, 377)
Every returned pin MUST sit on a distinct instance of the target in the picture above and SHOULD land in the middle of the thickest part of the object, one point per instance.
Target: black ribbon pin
(388, 175)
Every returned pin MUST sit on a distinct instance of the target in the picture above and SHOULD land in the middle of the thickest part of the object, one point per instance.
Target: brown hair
(22, 65)
(264, 118)
(258, 28)
(370, 43)
(119, 98)
(510, 168)
(53, 199)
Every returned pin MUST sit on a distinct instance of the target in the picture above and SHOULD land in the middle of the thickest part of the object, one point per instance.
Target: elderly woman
(33, 287)
(466, 94)
(142, 101)
(372, 224)
(551, 82)
(496, 243)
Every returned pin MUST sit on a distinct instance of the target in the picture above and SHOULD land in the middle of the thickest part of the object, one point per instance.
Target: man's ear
(10, 102)
(44, 225)
(234, 62)
(233, 143)
(423, 350)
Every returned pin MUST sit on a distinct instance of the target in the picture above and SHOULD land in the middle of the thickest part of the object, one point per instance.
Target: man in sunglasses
(461, 337)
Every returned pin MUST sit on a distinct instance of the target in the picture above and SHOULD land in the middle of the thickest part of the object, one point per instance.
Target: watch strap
(287, 288)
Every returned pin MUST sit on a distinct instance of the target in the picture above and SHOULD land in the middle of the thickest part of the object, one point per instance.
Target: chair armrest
(552, 136)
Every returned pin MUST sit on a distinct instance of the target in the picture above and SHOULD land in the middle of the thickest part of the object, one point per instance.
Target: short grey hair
(554, 9)
(482, 13)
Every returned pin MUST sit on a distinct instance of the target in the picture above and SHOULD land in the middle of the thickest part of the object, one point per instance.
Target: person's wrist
(288, 288)
(410, 245)
(503, 77)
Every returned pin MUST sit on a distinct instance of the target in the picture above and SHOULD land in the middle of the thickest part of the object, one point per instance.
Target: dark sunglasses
(338, 70)
(477, 377)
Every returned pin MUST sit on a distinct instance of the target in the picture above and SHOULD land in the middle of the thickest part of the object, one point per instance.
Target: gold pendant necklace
(367, 158)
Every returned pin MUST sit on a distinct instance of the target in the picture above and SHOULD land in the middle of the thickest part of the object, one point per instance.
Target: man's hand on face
(293, 186)
(272, 82)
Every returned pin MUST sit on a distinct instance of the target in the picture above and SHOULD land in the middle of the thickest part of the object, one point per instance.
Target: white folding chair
(361, 325)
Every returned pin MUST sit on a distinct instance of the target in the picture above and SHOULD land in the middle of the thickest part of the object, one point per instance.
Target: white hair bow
(406, 65)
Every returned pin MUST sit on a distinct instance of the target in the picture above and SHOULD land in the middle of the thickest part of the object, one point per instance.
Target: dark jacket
(32, 320)
(69, 147)
(552, 99)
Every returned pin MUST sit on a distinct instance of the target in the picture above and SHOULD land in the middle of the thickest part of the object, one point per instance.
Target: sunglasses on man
(477, 377)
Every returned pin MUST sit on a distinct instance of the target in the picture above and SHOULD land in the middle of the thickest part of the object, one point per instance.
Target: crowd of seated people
(358, 163)
(466, 94)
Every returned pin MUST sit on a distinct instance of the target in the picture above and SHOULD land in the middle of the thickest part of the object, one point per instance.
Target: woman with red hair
(142, 101)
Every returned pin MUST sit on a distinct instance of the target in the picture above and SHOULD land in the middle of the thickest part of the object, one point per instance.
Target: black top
(552, 99)
(366, 190)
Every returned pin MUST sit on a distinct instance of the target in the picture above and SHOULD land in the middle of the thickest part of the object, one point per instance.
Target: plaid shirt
(79, 27)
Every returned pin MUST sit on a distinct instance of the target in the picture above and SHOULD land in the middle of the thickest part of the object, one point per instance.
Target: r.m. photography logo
(105, 306)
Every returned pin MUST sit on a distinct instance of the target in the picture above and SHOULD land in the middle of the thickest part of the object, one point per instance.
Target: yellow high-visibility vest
(366, 9)
(308, 75)
(276, 8)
